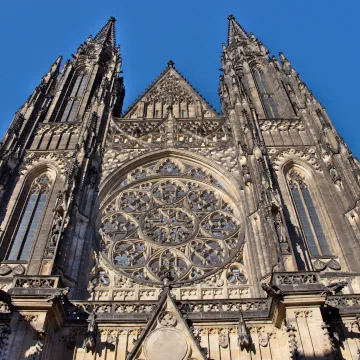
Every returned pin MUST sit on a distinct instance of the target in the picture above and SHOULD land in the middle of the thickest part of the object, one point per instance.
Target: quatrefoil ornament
(167, 319)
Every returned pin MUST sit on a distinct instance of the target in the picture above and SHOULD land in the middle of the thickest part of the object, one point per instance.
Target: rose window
(169, 226)
(180, 226)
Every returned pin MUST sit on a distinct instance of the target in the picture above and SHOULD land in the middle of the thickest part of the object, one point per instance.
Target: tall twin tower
(170, 231)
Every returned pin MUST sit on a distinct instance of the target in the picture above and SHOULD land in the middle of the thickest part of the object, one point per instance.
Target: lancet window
(71, 102)
(266, 94)
(174, 219)
(307, 214)
(30, 218)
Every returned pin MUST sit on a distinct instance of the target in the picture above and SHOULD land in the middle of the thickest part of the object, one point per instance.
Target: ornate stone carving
(99, 277)
(272, 290)
(319, 265)
(235, 276)
(263, 338)
(334, 265)
(224, 340)
(58, 128)
(5, 270)
(113, 159)
(279, 157)
(181, 226)
(138, 129)
(18, 270)
(343, 301)
(282, 234)
(60, 295)
(17, 124)
(334, 288)
(226, 158)
(4, 308)
(290, 329)
(60, 160)
(169, 90)
(36, 282)
(303, 314)
(167, 319)
(295, 278)
(89, 343)
(282, 125)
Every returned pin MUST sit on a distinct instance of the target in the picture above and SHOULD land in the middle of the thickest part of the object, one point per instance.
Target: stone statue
(89, 343)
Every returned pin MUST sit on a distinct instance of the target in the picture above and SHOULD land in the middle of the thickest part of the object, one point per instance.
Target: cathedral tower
(169, 230)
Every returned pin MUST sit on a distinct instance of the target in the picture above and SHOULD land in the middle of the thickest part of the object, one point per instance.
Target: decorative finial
(166, 278)
(170, 64)
(231, 17)
(112, 18)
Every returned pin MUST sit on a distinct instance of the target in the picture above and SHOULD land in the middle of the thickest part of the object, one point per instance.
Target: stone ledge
(298, 282)
(346, 304)
(36, 282)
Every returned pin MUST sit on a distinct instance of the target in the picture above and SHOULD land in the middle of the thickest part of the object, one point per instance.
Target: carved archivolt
(61, 161)
(113, 159)
(224, 157)
(170, 218)
(279, 157)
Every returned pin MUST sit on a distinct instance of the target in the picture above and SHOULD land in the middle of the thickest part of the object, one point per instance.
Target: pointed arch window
(307, 213)
(30, 219)
(73, 101)
(266, 94)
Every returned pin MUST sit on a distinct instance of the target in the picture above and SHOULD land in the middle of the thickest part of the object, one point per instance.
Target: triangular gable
(170, 88)
(166, 336)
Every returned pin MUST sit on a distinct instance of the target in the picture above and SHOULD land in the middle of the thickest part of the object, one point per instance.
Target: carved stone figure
(89, 343)
(272, 290)
(334, 287)
(224, 340)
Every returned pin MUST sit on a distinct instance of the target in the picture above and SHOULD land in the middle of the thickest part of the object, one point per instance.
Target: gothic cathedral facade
(170, 231)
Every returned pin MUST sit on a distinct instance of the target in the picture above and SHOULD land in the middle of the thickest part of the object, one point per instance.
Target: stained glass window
(30, 219)
(307, 214)
(73, 101)
(177, 223)
(266, 94)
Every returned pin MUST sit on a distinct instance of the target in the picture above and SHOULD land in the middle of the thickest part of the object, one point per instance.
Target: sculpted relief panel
(169, 218)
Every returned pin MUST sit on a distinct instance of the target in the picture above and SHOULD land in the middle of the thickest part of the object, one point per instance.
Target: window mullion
(309, 220)
(28, 226)
(20, 232)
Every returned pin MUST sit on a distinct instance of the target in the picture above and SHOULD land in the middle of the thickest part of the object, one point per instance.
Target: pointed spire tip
(106, 33)
(235, 30)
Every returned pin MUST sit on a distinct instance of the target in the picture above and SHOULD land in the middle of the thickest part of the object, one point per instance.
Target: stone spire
(107, 33)
(54, 69)
(235, 30)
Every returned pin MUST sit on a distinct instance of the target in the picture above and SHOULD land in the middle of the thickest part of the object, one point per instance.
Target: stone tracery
(156, 224)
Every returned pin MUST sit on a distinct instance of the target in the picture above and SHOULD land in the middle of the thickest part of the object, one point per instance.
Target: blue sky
(320, 37)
